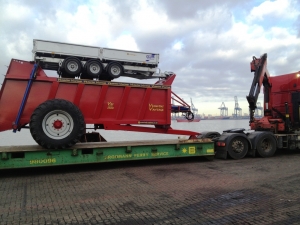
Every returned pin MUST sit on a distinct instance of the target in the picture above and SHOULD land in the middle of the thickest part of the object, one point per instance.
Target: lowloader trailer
(98, 152)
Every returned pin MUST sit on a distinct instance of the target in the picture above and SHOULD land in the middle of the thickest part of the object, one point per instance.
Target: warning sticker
(192, 150)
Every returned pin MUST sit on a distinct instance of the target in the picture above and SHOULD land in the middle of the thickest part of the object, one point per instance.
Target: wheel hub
(115, 70)
(94, 68)
(266, 146)
(57, 124)
(238, 146)
(72, 66)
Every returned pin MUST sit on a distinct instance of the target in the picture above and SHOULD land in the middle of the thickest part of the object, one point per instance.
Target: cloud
(274, 9)
(208, 44)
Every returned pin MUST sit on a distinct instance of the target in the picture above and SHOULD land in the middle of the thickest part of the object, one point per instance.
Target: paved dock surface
(172, 191)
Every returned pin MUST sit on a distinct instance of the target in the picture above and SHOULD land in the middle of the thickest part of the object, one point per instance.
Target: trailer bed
(58, 49)
(97, 152)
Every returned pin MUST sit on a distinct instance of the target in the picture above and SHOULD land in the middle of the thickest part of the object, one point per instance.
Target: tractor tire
(266, 145)
(238, 147)
(57, 124)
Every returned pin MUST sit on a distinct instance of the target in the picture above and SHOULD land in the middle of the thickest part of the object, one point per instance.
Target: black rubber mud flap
(220, 153)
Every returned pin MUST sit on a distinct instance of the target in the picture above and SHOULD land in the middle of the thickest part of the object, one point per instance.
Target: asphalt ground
(167, 191)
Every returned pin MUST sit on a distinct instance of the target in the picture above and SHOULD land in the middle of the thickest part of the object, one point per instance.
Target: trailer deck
(97, 152)
(51, 54)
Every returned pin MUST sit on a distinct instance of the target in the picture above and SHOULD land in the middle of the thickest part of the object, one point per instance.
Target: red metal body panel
(281, 98)
(281, 91)
(116, 105)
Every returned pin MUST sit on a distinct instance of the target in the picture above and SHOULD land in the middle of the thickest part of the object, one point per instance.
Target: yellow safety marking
(184, 150)
(192, 150)
(210, 151)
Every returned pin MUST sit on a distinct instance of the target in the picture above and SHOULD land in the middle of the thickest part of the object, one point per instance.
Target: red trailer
(57, 110)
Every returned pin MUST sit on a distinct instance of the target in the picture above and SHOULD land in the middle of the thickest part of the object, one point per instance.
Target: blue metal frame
(32, 77)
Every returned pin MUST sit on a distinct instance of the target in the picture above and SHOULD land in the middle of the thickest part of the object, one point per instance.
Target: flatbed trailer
(97, 152)
(74, 60)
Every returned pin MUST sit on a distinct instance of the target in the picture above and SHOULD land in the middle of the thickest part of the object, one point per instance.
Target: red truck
(57, 110)
(279, 128)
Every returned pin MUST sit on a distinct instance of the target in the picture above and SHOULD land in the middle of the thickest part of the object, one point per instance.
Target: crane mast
(261, 77)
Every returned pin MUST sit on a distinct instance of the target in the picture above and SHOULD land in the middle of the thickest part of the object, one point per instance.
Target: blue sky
(208, 44)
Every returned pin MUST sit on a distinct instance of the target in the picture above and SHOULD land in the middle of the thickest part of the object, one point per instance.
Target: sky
(208, 44)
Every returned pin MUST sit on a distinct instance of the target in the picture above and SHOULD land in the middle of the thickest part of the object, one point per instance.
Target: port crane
(223, 110)
(193, 108)
(237, 108)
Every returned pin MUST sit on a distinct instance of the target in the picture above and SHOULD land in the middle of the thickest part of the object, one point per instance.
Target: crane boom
(261, 77)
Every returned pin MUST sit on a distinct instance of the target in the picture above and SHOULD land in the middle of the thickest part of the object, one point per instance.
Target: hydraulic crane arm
(261, 77)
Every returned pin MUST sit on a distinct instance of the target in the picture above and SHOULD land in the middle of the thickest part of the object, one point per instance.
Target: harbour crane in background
(237, 108)
(223, 110)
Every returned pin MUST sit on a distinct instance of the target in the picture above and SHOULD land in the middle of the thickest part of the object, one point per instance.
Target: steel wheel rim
(266, 145)
(72, 66)
(115, 70)
(237, 146)
(94, 68)
(59, 117)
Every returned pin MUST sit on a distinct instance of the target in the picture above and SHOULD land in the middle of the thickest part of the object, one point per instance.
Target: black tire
(189, 116)
(115, 70)
(238, 147)
(266, 145)
(93, 68)
(66, 120)
(72, 66)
